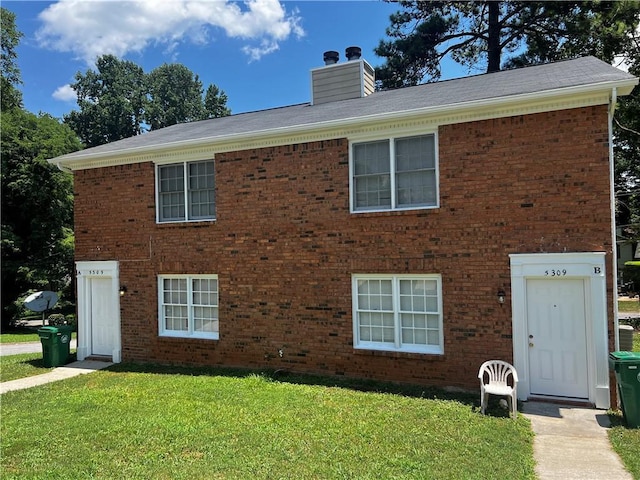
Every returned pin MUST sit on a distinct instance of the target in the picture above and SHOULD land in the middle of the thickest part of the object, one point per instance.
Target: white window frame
(190, 332)
(396, 345)
(392, 171)
(186, 191)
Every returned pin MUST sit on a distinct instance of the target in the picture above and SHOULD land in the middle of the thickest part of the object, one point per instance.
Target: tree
(37, 206)
(10, 96)
(627, 153)
(119, 100)
(111, 101)
(484, 33)
(175, 96)
(215, 103)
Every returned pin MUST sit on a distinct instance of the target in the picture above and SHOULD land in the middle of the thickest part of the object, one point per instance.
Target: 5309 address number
(555, 273)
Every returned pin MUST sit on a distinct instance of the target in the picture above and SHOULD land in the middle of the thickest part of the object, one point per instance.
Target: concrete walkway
(59, 373)
(572, 443)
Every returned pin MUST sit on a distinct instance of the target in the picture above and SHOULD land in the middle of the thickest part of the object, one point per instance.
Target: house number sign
(555, 273)
(92, 272)
(563, 272)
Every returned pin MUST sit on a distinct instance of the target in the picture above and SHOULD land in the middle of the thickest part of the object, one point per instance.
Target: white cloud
(93, 28)
(65, 93)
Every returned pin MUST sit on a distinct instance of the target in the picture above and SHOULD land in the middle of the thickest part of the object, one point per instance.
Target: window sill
(397, 353)
(186, 223)
(397, 211)
(189, 337)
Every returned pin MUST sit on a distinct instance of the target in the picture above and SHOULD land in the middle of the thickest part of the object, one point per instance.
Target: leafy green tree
(602, 29)
(120, 100)
(215, 103)
(10, 96)
(494, 34)
(111, 101)
(627, 153)
(37, 206)
(175, 96)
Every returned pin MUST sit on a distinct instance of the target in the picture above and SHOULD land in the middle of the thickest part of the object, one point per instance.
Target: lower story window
(188, 306)
(400, 313)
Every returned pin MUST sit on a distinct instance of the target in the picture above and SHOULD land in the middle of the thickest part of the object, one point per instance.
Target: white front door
(556, 326)
(561, 326)
(98, 310)
(103, 318)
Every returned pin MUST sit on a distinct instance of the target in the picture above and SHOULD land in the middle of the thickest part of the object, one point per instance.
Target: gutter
(63, 168)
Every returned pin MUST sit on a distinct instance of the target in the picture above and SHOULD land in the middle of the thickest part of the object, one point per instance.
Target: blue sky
(259, 52)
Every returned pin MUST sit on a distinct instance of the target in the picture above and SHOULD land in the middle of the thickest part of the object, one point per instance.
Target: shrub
(58, 319)
(634, 322)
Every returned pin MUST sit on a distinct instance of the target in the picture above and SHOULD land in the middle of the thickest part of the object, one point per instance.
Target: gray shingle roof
(566, 75)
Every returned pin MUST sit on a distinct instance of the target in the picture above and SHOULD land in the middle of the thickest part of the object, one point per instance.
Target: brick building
(404, 235)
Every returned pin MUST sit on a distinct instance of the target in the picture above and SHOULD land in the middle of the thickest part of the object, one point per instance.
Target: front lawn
(629, 306)
(24, 336)
(19, 335)
(151, 422)
(20, 366)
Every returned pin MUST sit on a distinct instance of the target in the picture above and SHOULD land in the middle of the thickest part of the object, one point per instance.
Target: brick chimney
(336, 81)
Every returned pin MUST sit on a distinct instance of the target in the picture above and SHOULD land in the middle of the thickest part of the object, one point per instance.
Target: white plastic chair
(496, 373)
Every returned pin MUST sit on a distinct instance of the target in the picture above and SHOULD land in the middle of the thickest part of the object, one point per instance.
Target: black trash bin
(55, 345)
(627, 368)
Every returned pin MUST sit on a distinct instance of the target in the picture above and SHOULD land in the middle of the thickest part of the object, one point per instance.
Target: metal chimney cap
(330, 57)
(353, 53)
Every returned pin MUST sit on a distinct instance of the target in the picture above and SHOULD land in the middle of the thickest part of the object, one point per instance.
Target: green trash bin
(55, 345)
(627, 368)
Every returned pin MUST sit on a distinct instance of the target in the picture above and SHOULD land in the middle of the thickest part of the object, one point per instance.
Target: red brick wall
(285, 245)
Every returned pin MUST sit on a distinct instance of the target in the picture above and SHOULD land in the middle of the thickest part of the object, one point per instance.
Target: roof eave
(202, 147)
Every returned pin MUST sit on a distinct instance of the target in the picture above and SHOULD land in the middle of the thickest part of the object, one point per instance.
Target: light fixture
(501, 296)
(123, 290)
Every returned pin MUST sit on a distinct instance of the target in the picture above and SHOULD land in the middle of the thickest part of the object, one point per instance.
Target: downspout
(612, 109)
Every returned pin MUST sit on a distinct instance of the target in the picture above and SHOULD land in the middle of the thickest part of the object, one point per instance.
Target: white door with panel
(98, 310)
(556, 326)
(103, 319)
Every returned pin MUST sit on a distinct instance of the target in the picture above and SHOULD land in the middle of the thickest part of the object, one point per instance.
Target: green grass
(24, 335)
(626, 443)
(632, 306)
(20, 366)
(19, 335)
(25, 365)
(143, 422)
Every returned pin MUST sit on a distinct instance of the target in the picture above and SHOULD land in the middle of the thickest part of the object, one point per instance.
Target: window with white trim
(394, 174)
(400, 313)
(188, 306)
(186, 191)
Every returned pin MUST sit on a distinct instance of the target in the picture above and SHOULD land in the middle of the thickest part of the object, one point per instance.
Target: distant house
(404, 235)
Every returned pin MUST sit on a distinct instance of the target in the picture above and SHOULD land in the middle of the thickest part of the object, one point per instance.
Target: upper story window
(394, 174)
(186, 191)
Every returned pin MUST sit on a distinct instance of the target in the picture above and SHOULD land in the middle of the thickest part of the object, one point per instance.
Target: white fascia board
(497, 107)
